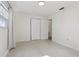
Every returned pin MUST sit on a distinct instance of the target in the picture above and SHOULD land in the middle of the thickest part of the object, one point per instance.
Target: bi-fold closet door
(39, 29)
(35, 29)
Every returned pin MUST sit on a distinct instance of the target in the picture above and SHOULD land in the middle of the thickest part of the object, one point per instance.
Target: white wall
(65, 27)
(21, 26)
(3, 41)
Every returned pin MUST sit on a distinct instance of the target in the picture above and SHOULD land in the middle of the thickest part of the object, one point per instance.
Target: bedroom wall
(65, 27)
(22, 26)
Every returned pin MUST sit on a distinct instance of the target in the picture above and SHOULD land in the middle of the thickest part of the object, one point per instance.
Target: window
(3, 16)
(3, 22)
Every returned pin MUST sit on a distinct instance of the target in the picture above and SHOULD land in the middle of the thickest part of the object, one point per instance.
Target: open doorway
(50, 29)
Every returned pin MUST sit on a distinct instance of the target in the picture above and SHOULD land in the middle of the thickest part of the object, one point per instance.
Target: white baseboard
(65, 45)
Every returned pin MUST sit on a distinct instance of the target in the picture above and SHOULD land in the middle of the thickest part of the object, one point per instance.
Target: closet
(35, 29)
(39, 28)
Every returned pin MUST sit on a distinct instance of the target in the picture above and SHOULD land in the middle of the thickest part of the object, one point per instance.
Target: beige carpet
(40, 48)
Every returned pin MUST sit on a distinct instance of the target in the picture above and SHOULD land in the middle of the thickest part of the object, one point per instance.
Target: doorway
(50, 29)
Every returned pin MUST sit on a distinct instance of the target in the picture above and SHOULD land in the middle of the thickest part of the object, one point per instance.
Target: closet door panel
(35, 29)
(44, 29)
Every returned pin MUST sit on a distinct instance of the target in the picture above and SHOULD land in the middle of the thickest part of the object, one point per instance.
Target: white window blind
(3, 10)
(3, 15)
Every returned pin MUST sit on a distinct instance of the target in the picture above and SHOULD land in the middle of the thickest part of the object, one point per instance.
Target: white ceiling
(31, 7)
